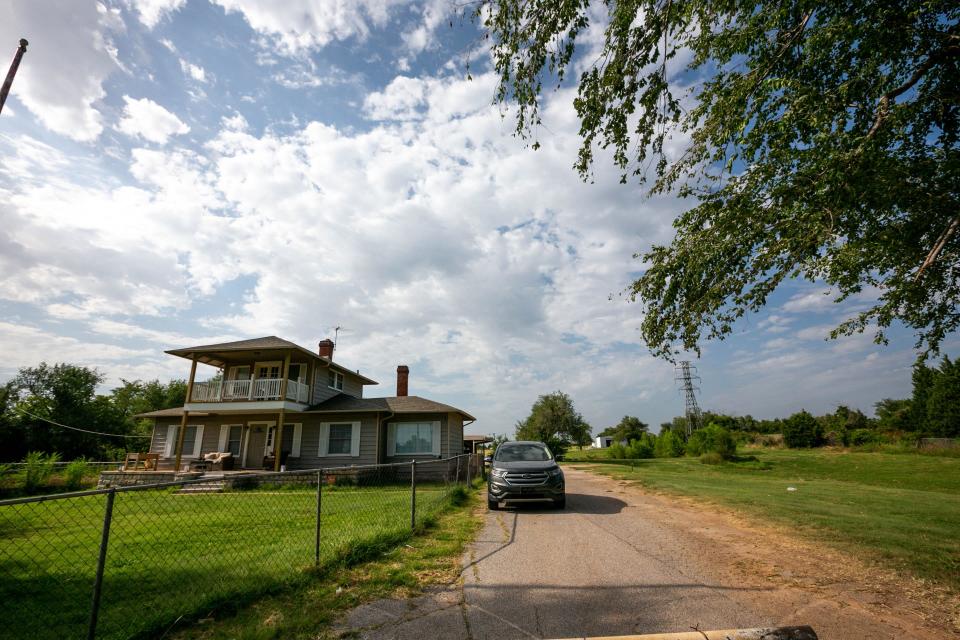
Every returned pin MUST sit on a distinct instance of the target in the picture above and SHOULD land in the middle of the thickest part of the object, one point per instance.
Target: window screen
(341, 436)
(233, 442)
(414, 437)
(190, 441)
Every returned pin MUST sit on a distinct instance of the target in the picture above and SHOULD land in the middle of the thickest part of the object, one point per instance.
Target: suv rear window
(522, 453)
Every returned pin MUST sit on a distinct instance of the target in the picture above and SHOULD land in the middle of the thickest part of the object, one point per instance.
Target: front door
(253, 459)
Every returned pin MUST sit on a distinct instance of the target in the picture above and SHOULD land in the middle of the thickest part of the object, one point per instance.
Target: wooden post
(183, 420)
(278, 441)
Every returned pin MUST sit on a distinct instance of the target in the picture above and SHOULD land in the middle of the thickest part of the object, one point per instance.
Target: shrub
(74, 472)
(641, 448)
(860, 437)
(801, 430)
(711, 457)
(617, 451)
(37, 469)
(669, 444)
(712, 439)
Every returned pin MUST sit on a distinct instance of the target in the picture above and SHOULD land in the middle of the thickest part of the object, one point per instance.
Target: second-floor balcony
(249, 390)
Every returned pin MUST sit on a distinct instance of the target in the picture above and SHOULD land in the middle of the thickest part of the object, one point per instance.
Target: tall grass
(38, 467)
(74, 472)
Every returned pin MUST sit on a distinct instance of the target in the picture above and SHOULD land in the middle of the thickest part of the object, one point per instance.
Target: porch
(250, 390)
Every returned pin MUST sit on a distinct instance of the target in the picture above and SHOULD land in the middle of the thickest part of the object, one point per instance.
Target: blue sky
(178, 172)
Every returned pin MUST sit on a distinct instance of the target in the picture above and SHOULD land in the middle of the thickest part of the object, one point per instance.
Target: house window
(241, 372)
(414, 438)
(341, 437)
(336, 380)
(233, 440)
(190, 441)
(298, 372)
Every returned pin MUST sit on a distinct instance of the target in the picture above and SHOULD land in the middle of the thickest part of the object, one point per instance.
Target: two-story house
(272, 396)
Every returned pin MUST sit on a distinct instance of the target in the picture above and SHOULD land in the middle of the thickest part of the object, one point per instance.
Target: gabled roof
(343, 403)
(209, 353)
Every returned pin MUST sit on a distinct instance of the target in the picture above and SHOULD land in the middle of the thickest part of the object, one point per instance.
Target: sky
(182, 172)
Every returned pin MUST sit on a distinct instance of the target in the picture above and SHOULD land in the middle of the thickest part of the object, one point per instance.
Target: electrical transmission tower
(686, 374)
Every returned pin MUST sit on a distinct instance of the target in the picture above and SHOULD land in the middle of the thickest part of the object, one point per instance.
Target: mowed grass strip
(903, 509)
(306, 611)
(172, 555)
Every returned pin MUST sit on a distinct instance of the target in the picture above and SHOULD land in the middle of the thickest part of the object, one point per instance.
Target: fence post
(413, 495)
(316, 549)
(469, 472)
(101, 561)
(458, 469)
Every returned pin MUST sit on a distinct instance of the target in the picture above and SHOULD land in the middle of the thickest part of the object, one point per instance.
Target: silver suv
(524, 471)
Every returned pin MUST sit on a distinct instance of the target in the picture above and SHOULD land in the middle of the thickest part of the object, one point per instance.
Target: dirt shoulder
(802, 581)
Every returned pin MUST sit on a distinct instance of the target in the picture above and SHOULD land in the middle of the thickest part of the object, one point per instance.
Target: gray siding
(310, 442)
(322, 390)
(211, 432)
(453, 443)
(373, 443)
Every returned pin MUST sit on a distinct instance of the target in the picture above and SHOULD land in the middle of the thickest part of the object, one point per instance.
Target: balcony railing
(256, 389)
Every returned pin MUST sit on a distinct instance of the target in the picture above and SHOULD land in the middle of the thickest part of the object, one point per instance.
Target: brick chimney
(326, 349)
(403, 374)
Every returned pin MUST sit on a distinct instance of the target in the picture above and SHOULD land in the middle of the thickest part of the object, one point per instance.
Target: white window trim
(297, 438)
(268, 364)
(323, 450)
(303, 371)
(173, 433)
(392, 439)
(333, 386)
(232, 372)
(256, 423)
(225, 437)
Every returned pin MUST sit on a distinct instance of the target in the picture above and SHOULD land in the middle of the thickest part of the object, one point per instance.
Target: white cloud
(297, 26)
(434, 13)
(146, 119)
(402, 99)
(151, 12)
(816, 301)
(194, 71)
(61, 77)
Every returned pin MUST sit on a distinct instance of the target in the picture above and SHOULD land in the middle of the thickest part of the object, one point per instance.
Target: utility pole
(685, 375)
(22, 49)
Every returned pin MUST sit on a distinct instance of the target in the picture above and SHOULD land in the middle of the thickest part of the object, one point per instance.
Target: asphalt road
(614, 562)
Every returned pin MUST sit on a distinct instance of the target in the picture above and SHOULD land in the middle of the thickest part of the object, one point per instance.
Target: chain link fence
(133, 561)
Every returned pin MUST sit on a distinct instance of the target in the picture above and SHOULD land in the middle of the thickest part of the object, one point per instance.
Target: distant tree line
(37, 397)
(932, 411)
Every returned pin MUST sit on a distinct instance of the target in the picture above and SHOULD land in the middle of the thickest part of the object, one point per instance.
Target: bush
(860, 437)
(711, 457)
(617, 451)
(712, 439)
(37, 469)
(669, 444)
(642, 448)
(802, 431)
(74, 472)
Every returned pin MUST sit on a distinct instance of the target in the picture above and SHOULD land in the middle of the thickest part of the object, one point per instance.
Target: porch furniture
(141, 461)
(200, 465)
(219, 460)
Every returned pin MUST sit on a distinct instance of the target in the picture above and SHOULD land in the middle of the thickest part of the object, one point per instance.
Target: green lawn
(900, 509)
(173, 555)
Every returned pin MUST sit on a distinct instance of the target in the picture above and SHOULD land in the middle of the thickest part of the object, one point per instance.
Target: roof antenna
(336, 334)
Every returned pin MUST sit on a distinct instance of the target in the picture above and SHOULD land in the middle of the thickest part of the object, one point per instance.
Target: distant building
(474, 443)
(601, 442)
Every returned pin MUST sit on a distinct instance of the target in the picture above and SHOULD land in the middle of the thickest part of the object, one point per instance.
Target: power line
(96, 433)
